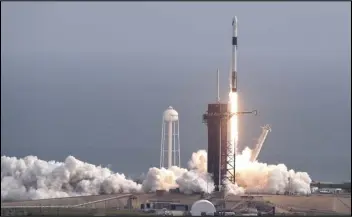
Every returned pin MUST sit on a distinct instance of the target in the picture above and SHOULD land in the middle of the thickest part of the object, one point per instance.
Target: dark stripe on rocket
(234, 40)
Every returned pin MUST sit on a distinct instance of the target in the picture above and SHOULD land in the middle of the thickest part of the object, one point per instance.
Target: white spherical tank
(170, 139)
(170, 114)
(203, 207)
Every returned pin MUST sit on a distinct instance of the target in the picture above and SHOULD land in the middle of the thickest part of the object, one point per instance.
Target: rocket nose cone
(234, 21)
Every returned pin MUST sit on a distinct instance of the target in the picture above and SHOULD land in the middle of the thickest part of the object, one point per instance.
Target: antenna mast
(218, 85)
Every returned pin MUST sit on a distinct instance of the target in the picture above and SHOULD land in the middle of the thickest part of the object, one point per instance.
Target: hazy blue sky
(92, 79)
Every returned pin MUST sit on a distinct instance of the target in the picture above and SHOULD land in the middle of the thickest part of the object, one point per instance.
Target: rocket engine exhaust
(31, 178)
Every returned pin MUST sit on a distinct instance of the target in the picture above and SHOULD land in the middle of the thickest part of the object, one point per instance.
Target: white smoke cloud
(233, 188)
(32, 178)
(199, 161)
(256, 177)
(162, 179)
(195, 180)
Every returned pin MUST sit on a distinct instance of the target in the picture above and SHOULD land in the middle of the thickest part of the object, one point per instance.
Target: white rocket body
(233, 83)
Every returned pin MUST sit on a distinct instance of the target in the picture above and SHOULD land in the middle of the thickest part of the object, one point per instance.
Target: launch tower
(215, 118)
(221, 159)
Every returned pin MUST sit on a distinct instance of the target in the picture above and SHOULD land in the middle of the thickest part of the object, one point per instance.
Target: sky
(92, 79)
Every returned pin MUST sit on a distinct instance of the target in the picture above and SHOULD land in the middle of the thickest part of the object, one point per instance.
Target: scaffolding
(227, 158)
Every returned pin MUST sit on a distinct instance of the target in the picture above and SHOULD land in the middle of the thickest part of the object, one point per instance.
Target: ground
(117, 203)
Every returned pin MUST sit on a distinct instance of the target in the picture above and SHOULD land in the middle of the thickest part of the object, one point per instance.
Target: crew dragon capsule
(233, 83)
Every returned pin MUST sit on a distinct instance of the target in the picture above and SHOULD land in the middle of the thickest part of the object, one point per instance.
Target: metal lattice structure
(217, 138)
(230, 157)
(220, 166)
(266, 129)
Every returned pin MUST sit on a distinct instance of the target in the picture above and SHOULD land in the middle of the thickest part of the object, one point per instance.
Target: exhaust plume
(193, 181)
(31, 178)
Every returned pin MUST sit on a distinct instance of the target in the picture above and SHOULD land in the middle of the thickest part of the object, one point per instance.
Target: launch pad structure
(217, 141)
(221, 160)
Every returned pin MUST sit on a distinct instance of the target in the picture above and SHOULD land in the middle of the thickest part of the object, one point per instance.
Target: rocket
(233, 83)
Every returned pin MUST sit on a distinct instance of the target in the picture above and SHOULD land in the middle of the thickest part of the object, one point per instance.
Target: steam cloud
(32, 178)
(256, 177)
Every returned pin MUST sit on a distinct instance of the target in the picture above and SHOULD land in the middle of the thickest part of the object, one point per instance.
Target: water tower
(170, 139)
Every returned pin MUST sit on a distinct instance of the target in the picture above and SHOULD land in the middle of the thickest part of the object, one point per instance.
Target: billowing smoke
(193, 181)
(256, 177)
(233, 189)
(32, 178)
